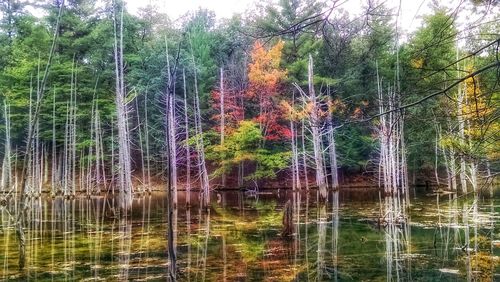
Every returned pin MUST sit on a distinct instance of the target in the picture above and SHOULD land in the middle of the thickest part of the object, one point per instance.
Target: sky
(410, 20)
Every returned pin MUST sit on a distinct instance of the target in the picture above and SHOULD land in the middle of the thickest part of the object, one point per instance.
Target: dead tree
(7, 161)
(222, 117)
(146, 140)
(332, 148)
(141, 145)
(392, 162)
(304, 155)
(124, 165)
(54, 176)
(287, 229)
(200, 147)
(31, 128)
(315, 124)
(171, 132)
(186, 134)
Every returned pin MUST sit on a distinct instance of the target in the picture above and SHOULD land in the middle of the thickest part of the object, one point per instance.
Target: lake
(357, 235)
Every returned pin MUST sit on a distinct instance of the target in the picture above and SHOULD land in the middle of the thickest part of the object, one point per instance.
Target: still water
(438, 238)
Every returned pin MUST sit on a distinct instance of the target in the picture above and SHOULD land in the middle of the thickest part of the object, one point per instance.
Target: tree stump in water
(3, 201)
(287, 220)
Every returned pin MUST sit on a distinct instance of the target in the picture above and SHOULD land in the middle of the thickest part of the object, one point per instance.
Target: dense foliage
(261, 53)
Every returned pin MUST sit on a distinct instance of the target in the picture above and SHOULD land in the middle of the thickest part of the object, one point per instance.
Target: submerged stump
(287, 220)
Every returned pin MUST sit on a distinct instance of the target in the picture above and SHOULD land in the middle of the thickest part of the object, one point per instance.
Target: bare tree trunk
(241, 174)
(45, 159)
(222, 118)
(170, 120)
(22, 205)
(332, 149)
(304, 155)
(392, 163)
(188, 152)
(54, 179)
(146, 138)
(141, 145)
(124, 166)
(173, 147)
(436, 156)
(294, 157)
(35, 164)
(66, 152)
(99, 161)
(453, 164)
(73, 137)
(461, 128)
(205, 185)
(472, 164)
(489, 178)
(89, 182)
(171, 169)
(6, 165)
(113, 169)
(316, 135)
(446, 161)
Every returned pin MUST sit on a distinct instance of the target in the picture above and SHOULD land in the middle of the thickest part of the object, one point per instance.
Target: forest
(301, 96)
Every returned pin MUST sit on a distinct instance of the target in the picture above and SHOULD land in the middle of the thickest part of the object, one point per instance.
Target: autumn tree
(232, 109)
(265, 75)
(475, 141)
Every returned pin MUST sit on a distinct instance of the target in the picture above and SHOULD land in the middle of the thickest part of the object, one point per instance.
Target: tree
(427, 62)
(265, 75)
(124, 160)
(315, 124)
(243, 146)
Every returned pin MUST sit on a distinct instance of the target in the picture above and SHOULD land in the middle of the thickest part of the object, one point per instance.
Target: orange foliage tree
(265, 77)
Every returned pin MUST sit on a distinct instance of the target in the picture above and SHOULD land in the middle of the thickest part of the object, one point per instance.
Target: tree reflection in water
(238, 238)
(397, 238)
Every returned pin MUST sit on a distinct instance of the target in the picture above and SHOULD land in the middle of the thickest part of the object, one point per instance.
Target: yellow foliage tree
(480, 130)
(264, 73)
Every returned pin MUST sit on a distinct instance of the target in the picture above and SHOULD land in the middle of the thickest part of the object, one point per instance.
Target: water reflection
(397, 239)
(350, 238)
(335, 233)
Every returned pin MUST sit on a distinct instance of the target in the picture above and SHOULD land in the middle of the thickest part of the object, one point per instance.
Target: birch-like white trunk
(332, 151)
(124, 165)
(461, 134)
(392, 163)
(146, 140)
(222, 118)
(295, 158)
(6, 165)
(316, 134)
(141, 145)
(436, 159)
(188, 151)
(204, 181)
(200, 147)
(304, 155)
(173, 147)
(461, 130)
(171, 132)
(54, 176)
